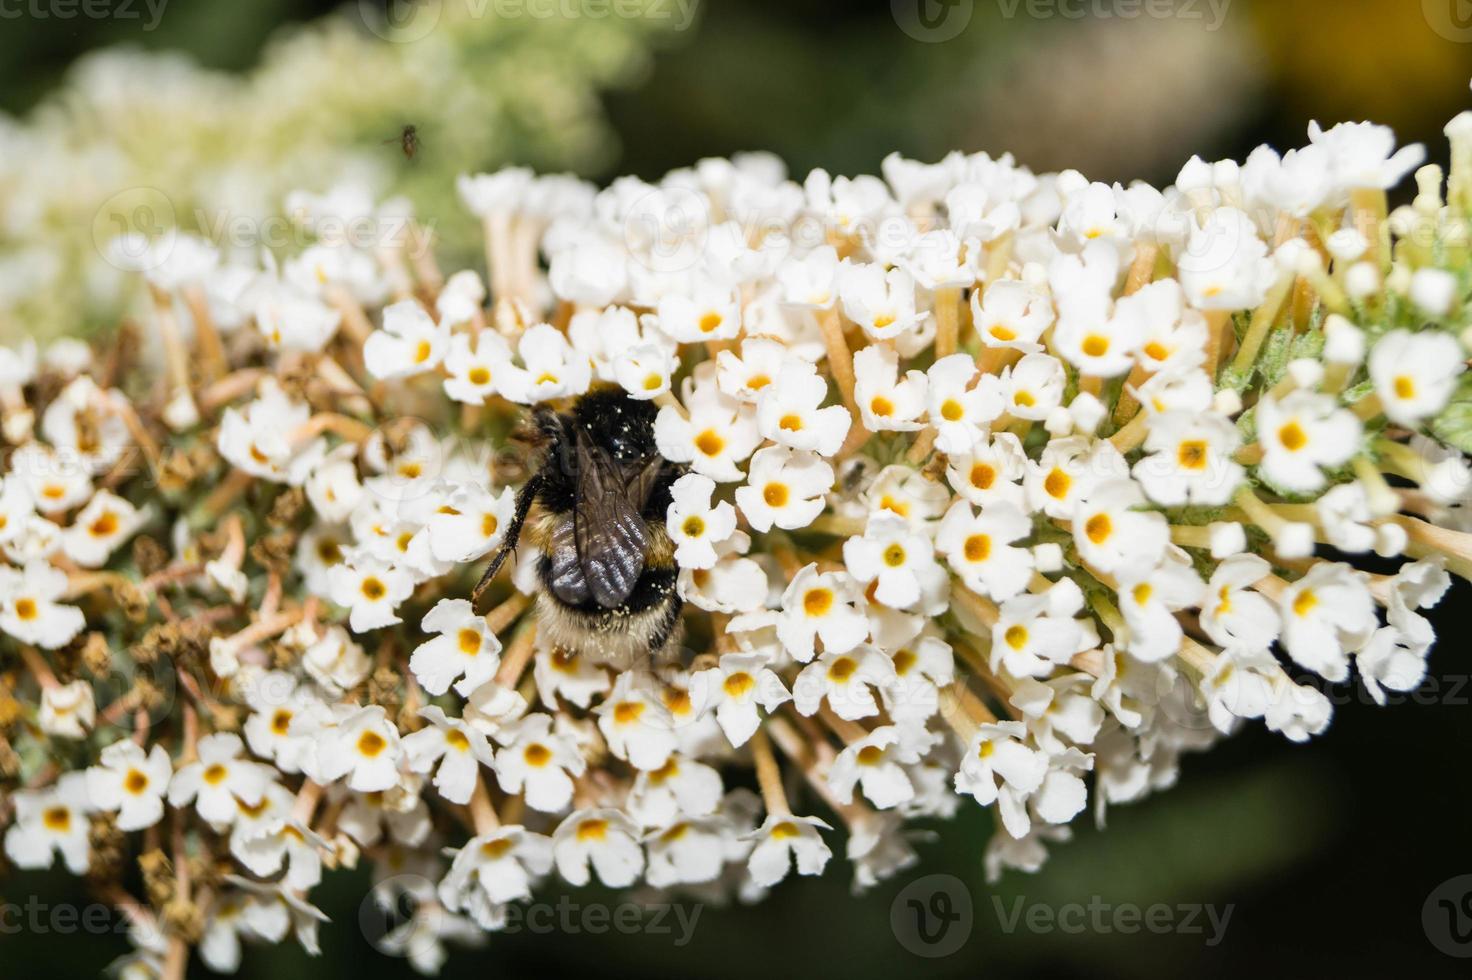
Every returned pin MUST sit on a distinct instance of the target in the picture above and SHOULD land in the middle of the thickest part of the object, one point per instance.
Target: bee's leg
(525, 497)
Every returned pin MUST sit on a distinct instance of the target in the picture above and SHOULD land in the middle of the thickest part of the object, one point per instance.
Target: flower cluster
(993, 485)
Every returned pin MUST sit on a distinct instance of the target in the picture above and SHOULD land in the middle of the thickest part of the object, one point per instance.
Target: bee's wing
(641, 484)
(568, 581)
(611, 538)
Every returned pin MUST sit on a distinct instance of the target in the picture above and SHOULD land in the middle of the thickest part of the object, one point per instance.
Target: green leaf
(1454, 425)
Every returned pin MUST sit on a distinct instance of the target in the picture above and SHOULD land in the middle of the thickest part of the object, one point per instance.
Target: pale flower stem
(1261, 323)
(507, 612)
(355, 322)
(1133, 434)
(849, 731)
(306, 801)
(482, 813)
(768, 775)
(420, 248)
(947, 321)
(1368, 209)
(1430, 540)
(517, 656)
(840, 358)
(921, 447)
(175, 354)
(1142, 269)
(38, 667)
(229, 388)
(1218, 336)
(206, 336)
(668, 400)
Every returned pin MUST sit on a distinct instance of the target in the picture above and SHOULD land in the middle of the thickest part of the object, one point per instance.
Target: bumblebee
(594, 507)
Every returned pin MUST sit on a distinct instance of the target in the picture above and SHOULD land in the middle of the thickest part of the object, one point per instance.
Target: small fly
(408, 141)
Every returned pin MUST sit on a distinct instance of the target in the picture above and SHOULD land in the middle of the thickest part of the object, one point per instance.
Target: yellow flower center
(1191, 454)
(817, 602)
(1293, 437)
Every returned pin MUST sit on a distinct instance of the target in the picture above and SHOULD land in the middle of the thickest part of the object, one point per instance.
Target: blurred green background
(1326, 852)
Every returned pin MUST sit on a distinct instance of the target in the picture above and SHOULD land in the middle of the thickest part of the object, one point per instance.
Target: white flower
(882, 303)
(1149, 600)
(758, 365)
(465, 649)
(371, 590)
(550, 368)
(789, 412)
(810, 280)
(333, 487)
(1301, 434)
(536, 762)
(978, 548)
(1098, 344)
(1363, 155)
(67, 710)
(1012, 314)
(1326, 614)
(1191, 459)
(1058, 709)
(568, 675)
(876, 765)
(470, 524)
(784, 489)
(51, 821)
(1112, 534)
(680, 788)
(821, 605)
(99, 528)
(1030, 638)
(258, 439)
(1033, 387)
(409, 343)
(459, 749)
(1225, 265)
(783, 840)
(56, 481)
(921, 668)
(219, 778)
(710, 312)
(694, 524)
(644, 371)
(893, 556)
(739, 685)
(605, 840)
(476, 364)
(719, 434)
(999, 768)
(276, 700)
(29, 610)
(1232, 614)
(494, 869)
(365, 747)
(958, 411)
(1415, 373)
(990, 472)
(636, 723)
(886, 403)
(847, 680)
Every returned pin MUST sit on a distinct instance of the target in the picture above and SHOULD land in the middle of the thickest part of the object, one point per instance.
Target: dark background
(1327, 852)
